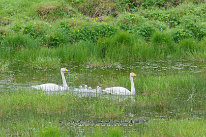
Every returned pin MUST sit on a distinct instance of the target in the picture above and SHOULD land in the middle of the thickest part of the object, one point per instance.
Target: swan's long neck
(64, 80)
(132, 86)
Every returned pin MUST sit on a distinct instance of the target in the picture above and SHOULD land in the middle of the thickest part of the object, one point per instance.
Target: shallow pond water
(93, 76)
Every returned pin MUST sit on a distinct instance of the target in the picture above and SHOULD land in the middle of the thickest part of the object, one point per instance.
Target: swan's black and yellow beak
(134, 75)
(66, 70)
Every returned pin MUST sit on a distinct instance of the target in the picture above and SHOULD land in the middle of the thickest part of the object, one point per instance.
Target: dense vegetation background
(55, 32)
(46, 34)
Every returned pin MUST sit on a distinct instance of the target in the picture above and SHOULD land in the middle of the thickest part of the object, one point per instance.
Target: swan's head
(132, 75)
(64, 70)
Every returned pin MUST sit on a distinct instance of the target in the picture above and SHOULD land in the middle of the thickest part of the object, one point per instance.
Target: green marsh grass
(163, 44)
(185, 127)
(191, 127)
(43, 103)
(113, 48)
(189, 46)
(104, 53)
(118, 35)
(169, 91)
(4, 65)
(33, 127)
(16, 42)
(122, 47)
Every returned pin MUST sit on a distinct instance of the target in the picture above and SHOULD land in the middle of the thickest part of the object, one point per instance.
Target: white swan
(54, 87)
(122, 90)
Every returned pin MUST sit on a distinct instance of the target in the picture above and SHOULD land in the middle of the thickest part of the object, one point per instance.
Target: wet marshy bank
(168, 93)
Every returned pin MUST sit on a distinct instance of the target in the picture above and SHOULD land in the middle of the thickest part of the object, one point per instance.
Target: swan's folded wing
(48, 87)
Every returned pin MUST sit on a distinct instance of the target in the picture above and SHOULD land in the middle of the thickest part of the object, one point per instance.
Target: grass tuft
(51, 11)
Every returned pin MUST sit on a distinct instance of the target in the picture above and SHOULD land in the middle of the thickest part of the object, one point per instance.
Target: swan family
(88, 89)
(111, 90)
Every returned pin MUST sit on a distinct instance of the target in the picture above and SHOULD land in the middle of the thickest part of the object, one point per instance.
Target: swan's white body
(50, 87)
(54, 87)
(122, 90)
